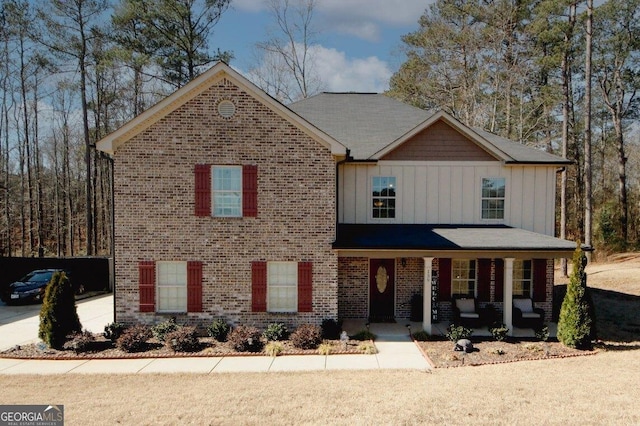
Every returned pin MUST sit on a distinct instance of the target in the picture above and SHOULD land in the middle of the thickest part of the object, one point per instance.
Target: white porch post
(508, 293)
(426, 311)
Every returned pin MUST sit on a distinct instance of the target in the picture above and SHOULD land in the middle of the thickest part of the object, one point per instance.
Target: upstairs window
(493, 190)
(227, 191)
(384, 197)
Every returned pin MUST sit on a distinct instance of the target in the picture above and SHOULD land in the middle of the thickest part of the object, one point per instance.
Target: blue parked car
(29, 288)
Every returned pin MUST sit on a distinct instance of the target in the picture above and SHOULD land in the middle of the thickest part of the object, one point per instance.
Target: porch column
(508, 293)
(427, 297)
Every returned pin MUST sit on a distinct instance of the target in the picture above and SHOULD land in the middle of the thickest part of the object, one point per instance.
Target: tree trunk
(622, 180)
(588, 196)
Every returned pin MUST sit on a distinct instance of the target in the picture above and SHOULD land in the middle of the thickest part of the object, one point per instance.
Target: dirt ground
(598, 389)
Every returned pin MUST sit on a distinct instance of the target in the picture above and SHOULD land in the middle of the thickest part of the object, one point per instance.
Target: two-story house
(229, 204)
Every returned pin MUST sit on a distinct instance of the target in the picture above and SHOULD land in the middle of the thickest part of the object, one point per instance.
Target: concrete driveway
(19, 324)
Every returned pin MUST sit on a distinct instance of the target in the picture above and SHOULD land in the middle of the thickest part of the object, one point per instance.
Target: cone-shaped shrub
(58, 316)
(575, 327)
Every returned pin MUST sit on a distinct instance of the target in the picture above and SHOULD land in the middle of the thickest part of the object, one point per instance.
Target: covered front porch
(395, 264)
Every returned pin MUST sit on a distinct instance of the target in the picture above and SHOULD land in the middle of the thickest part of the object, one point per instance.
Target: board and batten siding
(450, 193)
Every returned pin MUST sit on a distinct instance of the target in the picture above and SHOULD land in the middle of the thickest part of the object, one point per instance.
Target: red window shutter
(499, 280)
(194, 286)
(147, 285)
(484, 280)
(250, 191)
(539, 280)
(203, 190)
(444, 279)
(258, 286)
(305, 287)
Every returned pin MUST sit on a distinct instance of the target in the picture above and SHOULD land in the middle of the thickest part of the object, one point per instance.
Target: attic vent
(226, 109)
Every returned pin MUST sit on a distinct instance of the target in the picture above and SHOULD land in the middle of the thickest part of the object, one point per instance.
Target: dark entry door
(381, 289)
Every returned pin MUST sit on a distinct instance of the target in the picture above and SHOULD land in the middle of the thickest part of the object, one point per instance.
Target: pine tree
(58, 316)
(576, 326)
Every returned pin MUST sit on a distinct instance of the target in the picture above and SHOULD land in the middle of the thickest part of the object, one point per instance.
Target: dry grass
(600, 389)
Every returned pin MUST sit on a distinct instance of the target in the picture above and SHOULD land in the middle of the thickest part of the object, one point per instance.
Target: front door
(381, 289)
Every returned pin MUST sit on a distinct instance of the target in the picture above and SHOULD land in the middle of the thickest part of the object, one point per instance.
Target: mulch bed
(104, 349)
(442, 355)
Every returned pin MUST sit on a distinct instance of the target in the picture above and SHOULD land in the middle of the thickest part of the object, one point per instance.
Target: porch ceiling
(447, 238)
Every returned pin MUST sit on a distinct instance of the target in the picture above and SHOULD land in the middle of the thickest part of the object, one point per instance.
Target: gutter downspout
(113, 235)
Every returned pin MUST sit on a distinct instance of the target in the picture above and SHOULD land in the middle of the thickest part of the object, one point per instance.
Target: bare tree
(287, 63)
(69, 25)
(618, 74)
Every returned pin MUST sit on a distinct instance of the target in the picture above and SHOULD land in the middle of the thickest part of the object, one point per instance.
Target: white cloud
(393, 12)
(331, 71)
(342, 74)
(362, 18)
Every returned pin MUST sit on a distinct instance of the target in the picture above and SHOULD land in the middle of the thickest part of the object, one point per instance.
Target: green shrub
(113, 331)
(58, 315)
(80, 342)
(245, 339)
(331, 329)
(421, 336)
(219, 330)
(184, 339)
(274, 348)
(542, 333)
(276, 331)
(499, 332)
(364, 335)
(307, 336)
(163, 328)
(576, 314)
(134, 339)
(457, 332)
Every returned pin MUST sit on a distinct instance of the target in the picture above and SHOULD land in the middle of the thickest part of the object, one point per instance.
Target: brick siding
(155, 220)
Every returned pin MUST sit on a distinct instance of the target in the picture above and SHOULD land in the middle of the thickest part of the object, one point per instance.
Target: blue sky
(358, 42)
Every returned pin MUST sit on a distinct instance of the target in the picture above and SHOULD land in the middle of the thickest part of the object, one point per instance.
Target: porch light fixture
(403, 261)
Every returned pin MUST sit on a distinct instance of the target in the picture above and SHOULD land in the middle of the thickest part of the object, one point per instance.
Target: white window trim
(504, 199)
(214, 191)
(395, 198)
(475, 276)
(158, 285)
(294, 303)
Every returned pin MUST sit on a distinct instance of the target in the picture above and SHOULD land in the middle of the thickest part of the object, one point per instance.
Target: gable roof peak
(195, 87)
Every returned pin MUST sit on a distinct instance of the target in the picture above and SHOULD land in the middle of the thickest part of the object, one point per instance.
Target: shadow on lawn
(617, 317)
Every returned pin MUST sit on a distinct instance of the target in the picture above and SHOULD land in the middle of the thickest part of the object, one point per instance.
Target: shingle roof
(445, 238)
(519, 152)
(364, 122)
(367, 123)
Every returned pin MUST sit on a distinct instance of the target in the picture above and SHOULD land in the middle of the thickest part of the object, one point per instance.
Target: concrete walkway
(395, 351)
(19, 324)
